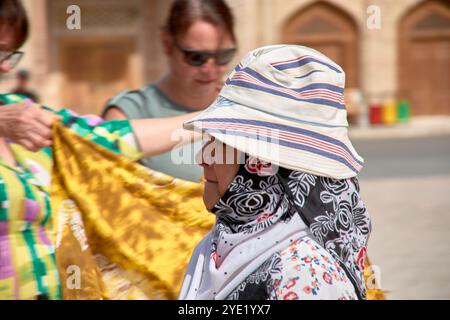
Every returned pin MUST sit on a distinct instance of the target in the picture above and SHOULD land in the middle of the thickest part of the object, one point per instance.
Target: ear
(166, 40)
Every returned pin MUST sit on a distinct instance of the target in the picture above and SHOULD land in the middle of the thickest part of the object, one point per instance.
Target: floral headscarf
(266, 208)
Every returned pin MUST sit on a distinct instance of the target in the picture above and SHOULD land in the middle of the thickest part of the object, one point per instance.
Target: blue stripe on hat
(308, 74)
(223, 102)
(312, 86)
(287, 129)
(302, 62)
(251, 85)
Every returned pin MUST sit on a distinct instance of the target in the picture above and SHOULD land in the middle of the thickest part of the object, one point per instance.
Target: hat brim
(295, 145)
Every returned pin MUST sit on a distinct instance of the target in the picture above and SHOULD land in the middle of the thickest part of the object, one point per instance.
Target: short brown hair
(13, 18)
(185, 12)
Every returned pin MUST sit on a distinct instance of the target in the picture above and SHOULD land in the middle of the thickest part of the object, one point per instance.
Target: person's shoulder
(134, 103)
(135, 95)
(149, 88)
(124, 97)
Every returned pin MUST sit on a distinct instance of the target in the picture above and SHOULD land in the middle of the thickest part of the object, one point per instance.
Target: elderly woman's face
(220, 166)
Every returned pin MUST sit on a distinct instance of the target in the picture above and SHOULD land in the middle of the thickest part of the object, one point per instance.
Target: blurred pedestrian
(22, 87)
(199, 43)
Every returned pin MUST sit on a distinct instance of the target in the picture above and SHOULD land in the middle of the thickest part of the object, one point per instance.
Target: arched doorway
(330, 30)
(424, 57)
(101, 59)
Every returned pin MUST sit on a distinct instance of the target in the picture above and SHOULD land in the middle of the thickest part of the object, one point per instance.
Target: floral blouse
(27, 257)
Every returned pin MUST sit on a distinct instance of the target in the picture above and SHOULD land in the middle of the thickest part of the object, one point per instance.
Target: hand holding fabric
(27, 124)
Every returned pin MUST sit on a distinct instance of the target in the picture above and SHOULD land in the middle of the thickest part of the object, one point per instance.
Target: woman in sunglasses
(199, 42)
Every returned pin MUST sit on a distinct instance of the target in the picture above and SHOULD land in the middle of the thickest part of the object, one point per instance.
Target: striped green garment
(27, 236)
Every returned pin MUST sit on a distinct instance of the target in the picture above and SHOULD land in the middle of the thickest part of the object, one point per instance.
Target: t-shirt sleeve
(131, 103)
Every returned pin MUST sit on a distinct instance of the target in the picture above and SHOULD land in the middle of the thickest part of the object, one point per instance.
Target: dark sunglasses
(12, 58)
(197, 58)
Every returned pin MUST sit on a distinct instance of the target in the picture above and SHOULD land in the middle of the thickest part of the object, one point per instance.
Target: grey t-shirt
(150, 102)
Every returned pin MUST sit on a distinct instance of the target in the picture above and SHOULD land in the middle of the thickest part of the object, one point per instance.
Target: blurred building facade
(407, 56)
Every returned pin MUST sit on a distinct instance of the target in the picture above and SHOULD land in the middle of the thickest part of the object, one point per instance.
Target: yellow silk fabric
(122, 231)
(116, 219)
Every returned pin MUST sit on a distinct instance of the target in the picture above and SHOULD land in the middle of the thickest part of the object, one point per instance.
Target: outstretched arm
(30, 126)
(157, 136)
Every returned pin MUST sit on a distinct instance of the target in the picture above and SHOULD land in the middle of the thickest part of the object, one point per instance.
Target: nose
(209, 67)
(199, 159)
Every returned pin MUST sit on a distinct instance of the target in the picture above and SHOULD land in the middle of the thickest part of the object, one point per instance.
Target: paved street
(406, 187)
(396, 158)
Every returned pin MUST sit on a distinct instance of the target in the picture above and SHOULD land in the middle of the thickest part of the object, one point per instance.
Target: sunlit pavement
(406, 187)
(410, 241)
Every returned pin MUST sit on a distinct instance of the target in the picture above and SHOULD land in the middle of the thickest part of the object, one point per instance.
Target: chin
(207, 202)
(210, 197)
(208, 206)
(205, 89)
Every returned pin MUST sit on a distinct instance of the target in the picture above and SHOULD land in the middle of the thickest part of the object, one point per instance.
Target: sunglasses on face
(197, 58)
(10, 59)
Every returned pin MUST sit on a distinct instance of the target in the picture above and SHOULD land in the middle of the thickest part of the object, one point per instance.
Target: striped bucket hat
(284, 104)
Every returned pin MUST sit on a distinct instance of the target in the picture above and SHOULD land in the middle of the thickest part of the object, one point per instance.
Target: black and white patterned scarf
(258, 215)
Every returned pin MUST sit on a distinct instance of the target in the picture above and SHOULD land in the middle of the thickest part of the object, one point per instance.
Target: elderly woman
(281, 180)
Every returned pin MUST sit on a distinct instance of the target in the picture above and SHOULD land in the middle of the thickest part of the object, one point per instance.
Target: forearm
(158, 136)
